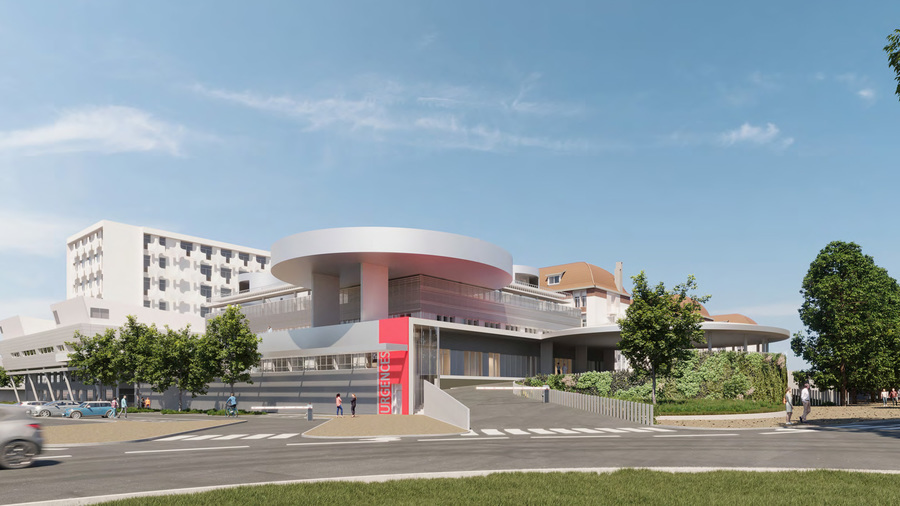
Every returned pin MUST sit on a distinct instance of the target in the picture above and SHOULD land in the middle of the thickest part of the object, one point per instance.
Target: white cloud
(747, 133)
(106, 129)
(35, 234)
(401, 114)
(867, 94)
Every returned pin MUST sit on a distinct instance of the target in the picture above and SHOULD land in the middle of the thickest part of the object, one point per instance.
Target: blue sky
(731, 142)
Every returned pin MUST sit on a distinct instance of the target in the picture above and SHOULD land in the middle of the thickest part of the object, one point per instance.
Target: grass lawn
(626, 487)
(714, 407)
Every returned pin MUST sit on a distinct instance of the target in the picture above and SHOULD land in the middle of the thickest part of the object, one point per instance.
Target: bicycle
(231, 411)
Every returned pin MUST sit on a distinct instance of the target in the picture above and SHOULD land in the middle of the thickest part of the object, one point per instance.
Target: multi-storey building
(155, 269)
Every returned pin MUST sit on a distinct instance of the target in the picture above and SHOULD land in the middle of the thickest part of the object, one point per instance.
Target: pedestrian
(338, 403)
(894, 396)
(124, 406)
(352, 405)
(146, 403)
(884, 396)
(115, 405)
(231, 406)
(788, 406)
(804, 398)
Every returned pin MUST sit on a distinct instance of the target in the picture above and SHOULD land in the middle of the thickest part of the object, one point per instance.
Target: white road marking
(574, 437)
(201, 438)
(692, 435)
(368, 441)
(173, 438)
(258, 436)
(517, 432)
(189, 449)
(658, 429)
(564, 431)
(789, 432)
(50, 457)
(230, 436)
(589, 431)
(632, 429)
(55, 449)
(610, 430)
(457, 439)
(492, 432)
(541, 431)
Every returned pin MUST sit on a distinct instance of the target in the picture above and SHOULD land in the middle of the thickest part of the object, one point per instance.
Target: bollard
(546, 394)
(309, 412)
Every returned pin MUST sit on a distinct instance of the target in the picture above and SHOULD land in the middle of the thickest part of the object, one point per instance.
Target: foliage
(624, 487)
(851, 310)
(893, 51)
(95, 360)
(660, 327)
(7, 380)
(715, 406)
(182, 360)
(135, 360)
(233, 346)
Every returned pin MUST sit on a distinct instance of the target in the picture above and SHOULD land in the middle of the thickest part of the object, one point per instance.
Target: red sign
(384, 383)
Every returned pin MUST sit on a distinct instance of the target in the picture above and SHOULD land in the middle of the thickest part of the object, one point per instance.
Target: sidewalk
(122, 430)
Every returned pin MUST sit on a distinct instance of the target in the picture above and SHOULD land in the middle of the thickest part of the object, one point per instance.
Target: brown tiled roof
(577, 276)
(733, 318)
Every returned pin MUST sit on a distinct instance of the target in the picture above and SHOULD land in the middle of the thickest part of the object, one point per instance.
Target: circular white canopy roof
(404, 251)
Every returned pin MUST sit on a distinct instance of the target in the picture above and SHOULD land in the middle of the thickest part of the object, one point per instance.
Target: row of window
(98, 234)
(321, 363)
(89, 259)
(227, 254)
(42, 351)
(477, 323)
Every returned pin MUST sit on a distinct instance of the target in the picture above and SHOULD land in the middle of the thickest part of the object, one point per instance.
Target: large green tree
(95, 360)
(234, 346)
(136, 347)
(8, 380)
(851, 310)
(182, 359)
(660, 326)
(893, 51)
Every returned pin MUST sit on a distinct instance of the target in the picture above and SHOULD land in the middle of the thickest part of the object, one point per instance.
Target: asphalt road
(508, 434)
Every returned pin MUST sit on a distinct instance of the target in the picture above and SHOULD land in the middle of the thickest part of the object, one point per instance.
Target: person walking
(338, 403)
(115, 406)
(124, 406)
(894, 396)
(352, 405)
(804, 398)
(788, 406)
(884, 396)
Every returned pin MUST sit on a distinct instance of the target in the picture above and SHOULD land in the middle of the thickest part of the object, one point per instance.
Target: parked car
(29, 405)
(55, 408)
(91, 408)
(20, 438)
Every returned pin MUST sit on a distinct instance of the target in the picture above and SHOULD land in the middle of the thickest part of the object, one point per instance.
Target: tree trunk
(653, 378)
(180, 399)
(844, 383)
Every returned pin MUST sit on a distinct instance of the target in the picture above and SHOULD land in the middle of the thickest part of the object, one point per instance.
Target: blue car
(91, 408)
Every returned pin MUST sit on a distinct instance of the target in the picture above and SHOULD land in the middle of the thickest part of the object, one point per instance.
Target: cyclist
(231, 406)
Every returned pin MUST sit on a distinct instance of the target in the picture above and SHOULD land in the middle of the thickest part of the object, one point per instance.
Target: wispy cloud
(435, 116)
(34, 234)
(106, 129)
(858, 84)
(427, 40)
(749, 134)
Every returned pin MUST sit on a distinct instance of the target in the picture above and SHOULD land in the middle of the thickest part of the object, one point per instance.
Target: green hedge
(719, 375)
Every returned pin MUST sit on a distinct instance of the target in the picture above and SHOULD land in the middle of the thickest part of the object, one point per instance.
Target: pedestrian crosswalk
(563, 431)
(226, 437)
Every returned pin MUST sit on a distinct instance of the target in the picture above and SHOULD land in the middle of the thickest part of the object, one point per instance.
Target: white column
(33, 389)
(49, 387)
(325, 298)
(745, 344)
(68, 385)
(373, 292)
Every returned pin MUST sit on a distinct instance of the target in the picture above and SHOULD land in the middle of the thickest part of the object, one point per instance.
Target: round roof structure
(404, 251)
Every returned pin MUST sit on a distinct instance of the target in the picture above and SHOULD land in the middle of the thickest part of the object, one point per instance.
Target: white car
(20, 439)
(54, 408)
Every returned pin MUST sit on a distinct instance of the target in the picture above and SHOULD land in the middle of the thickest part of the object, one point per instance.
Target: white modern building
(390, 314)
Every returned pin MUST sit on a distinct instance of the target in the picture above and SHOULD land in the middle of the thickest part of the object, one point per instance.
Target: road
(508, 434)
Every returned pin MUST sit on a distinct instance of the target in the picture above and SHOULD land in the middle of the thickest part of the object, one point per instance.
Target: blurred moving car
(91, 408)
(55, 408)
(20, 438)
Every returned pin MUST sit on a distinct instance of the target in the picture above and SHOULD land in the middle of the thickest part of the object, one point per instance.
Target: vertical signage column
(393, 366)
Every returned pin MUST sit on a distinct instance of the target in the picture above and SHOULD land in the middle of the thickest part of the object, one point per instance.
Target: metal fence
(637, 412)
(817, 397)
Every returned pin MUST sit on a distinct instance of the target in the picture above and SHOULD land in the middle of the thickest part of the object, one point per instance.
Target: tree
(893, 51)
(95, 360)
(660, 327)
(13, 381)
(182, 360)
(135, 343)
(233, 345)
(851, 310)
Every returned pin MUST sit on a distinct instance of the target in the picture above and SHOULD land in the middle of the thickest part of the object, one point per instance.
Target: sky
(731, 142)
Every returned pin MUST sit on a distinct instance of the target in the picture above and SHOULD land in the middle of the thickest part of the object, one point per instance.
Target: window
(262, 261)
(553, 279)
(226, 253)
(146, 240)
(99, 312)
(187, 247)
(56, 317)
(162, 241)
(206, 250)
(146, 303)
(146, 262)
(162, 262)
(146, 285)
(226, 292)
(29, 353)
(226, 273)
(163, 305)
(206, 270)
(60, 347)
(206, 291)
(162, 285)
(16, 354)
(48, 349)
(245, 257)
(203, 312)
